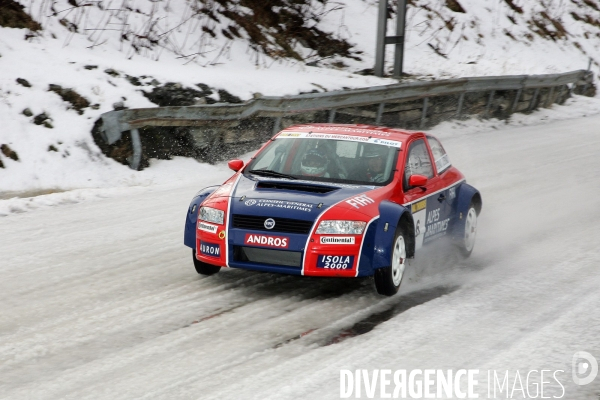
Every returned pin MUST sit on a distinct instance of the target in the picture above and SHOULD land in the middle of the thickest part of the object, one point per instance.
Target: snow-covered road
(99, 298)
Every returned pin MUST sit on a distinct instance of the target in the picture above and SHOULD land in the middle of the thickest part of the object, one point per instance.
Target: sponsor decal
(210, 249)
(222, 235)
(335, 262)
(360, 201)
(435, 227)
(278, 242)
(203, 226)
(386, 142)
(289, 205)
(269, 223)
(348, 138)
(289, 134)
(418, 206)
(347, 129)
(419, 218)
(332, 136)
(337, 239)
(433, 216)
(452, 193)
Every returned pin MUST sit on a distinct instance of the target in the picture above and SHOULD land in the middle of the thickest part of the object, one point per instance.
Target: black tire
(466, 242)
(204, 268)
(388, 279)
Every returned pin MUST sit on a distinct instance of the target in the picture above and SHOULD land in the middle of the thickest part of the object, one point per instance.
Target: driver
(314, 163)
(375, 163)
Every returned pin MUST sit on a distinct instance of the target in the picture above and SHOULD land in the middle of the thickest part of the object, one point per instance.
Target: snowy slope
(100, 299)
(78, 44)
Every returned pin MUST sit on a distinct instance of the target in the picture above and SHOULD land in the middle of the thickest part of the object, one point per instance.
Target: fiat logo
(269, 223)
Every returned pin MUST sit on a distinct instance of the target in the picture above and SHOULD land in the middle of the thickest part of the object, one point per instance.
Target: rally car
(334, 200)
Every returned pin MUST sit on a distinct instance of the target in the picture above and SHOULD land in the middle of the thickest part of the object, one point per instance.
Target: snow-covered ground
(100, 299)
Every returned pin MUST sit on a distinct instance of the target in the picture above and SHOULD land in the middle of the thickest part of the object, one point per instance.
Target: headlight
(341, 227)
(210, 214)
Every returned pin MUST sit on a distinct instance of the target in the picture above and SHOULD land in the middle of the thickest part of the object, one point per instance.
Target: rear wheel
(467, 242)
(388, 279)
(204, 268)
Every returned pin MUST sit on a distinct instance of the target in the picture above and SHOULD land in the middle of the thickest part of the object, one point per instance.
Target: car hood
(285, 198)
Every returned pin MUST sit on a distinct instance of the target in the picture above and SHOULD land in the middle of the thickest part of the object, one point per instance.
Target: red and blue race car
(334, 200)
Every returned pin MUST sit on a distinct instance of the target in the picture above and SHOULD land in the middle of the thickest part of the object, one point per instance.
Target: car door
(420, 199)
(449, 181)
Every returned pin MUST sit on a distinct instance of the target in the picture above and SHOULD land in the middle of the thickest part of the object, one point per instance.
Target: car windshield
(327, 160)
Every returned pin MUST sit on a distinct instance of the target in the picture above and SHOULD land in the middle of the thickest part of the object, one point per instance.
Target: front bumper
(302, 255)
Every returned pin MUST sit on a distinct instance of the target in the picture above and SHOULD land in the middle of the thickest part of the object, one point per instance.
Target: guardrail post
(516, 102)
(461, 100)
(560, 93)
(331, 115)
(276, 125)
(570, 89)
(489, 104)
(424, 113)
(534, 98)
(549, 100)
(586, 79)
(379, 113)
(134, 160)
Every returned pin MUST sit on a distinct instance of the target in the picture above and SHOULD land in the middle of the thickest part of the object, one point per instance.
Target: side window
(274, 157)
(418, 161)
(442, 162)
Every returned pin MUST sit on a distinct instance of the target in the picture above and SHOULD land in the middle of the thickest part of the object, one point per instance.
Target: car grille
(285, 225)
(267, 256)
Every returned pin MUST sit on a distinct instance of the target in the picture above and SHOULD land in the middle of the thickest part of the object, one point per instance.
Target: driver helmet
(375, 151)
(375, 170)
(314, 163)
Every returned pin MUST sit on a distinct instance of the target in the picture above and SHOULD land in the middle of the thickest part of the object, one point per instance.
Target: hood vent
(295, 186)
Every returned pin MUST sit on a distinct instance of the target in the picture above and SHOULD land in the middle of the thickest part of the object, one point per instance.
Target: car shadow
(265, 284)
(404, 303)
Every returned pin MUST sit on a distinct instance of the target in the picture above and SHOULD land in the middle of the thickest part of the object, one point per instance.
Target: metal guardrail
(116, 122)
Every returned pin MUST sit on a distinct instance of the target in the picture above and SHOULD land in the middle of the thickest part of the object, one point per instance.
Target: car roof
(354, 130)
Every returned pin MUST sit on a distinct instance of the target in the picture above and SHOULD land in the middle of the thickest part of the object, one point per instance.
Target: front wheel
(388, 279)
(467, 242)
(204, 268)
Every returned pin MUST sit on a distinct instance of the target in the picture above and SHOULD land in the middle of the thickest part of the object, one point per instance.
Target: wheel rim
(398, 260)
(470, 229)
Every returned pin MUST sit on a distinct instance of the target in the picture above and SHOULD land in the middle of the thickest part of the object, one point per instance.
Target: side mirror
(235, 165)
(417, 181)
